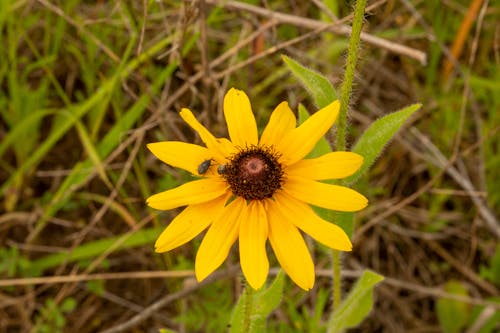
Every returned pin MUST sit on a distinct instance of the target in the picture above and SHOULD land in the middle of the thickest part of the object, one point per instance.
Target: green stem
(248, 308)
(337, 296)
(345, 94)
(352, 57)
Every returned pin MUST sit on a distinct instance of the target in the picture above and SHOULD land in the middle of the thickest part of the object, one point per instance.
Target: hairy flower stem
(352, 58)
(337, 296)
(345, 94)
(247, 312)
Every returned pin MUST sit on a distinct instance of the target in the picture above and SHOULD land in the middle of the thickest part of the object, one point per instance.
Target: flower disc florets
(254, 173)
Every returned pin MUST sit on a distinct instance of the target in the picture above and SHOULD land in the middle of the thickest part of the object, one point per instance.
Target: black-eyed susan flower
(253, 190)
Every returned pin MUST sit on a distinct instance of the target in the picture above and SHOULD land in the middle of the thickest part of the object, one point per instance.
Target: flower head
(257, 189)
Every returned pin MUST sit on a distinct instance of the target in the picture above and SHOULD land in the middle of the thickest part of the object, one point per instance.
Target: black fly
(204, 166)
(221, 169)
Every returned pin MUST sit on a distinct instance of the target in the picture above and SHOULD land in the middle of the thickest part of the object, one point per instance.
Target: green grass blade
(22, 128)
(82, 170)
(93, 249)
(57, 134)
(92, 152)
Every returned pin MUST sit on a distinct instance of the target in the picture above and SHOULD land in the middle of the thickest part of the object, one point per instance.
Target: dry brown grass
(431, 218)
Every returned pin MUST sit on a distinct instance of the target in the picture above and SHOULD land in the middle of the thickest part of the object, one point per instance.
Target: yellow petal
(227, 147)
(252, 242)
(290, 248)
(218, 241)
(240, 121)
(333, 165)
(282, 121)
(333, 197)
(180, 154)
(298, 142)
(191, 193)
(304, 218)
(210, 141)
(189, 223)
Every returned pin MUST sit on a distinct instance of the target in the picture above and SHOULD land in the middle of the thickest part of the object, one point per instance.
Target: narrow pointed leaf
(374, 139)
(345, 220)
(453, 314)
(92, 153)
(485, 317)
(320, 88)
(357, 305)
(264, 302)
(270, 298)
(236, 323)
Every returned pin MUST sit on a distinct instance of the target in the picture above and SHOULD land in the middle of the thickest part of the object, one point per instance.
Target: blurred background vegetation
(84, 85)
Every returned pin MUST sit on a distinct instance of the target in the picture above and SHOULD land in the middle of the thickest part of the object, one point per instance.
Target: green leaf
(315, 322)
(270, 298)
(23, 126)
(333, 6)
(374, 139)
(485, 317)
(357, 305)
(263, 302)
(96, 287)
(492, 272)
(345, 220)
(68, 305)
(453, 314)
(236, 323)
(319, 87)
(166, 330)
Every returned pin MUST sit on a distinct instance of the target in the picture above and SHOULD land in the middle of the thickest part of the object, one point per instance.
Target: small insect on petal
(221, 169)
(204, 166)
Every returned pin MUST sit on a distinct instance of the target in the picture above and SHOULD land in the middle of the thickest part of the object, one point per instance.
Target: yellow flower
(256, 189)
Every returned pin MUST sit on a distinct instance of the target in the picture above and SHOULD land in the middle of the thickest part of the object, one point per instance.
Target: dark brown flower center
(254, 173)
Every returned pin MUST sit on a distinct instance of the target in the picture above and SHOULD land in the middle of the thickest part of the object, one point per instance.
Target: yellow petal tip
(364, 202)
(160, 247)
(306, 283)
(186, 115)
(358, 159)
(159, 250)
(345, 244)
(308, 287)
(256, 285)
(359, 202)
(198, 275)
(233, 90)
(150, 202)
(335, 103)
